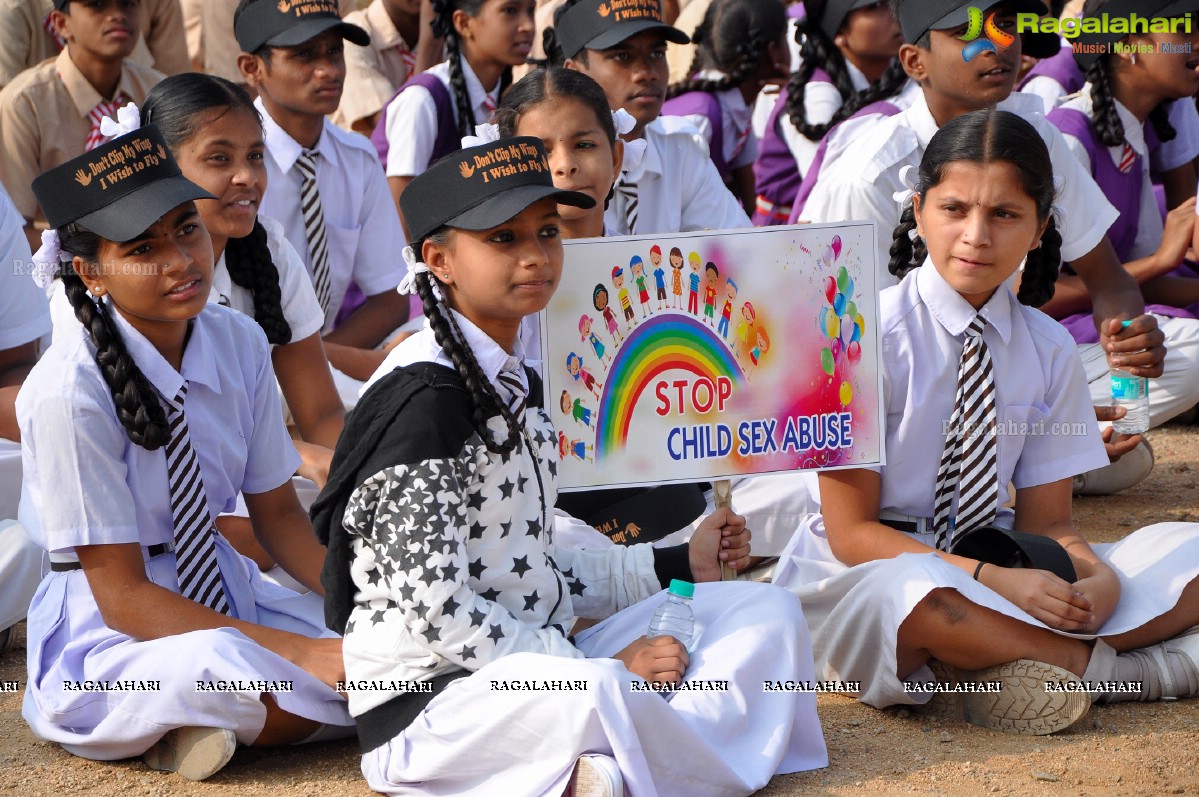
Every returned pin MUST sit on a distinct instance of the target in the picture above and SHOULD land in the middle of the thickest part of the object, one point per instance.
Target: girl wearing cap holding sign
(150, 634)
(444, 573)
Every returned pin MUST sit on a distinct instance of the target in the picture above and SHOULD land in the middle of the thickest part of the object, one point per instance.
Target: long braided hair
(137, 404)
(177, 106)
(485, 402)
(985, 137)
(732, 39)
(1104, 116)
(443, 26)
(817, 50)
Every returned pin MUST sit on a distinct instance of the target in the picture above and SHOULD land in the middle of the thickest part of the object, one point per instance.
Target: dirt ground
(1141, 749)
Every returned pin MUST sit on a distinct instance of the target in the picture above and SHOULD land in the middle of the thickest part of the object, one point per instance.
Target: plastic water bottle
(1131, 393)
(674, 617)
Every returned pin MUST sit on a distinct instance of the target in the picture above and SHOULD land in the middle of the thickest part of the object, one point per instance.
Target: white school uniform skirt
(473, 739)
(69, 646)
(854, 613)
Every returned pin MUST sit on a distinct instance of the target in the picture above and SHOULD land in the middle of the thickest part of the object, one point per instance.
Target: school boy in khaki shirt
(28, 40)
(51, 113)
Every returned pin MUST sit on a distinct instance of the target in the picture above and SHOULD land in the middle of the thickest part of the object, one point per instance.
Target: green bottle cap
(684, 589)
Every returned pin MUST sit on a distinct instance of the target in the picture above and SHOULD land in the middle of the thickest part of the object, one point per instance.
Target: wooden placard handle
(722, 497)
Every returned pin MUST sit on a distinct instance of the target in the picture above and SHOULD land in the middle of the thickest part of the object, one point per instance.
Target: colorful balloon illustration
(830, 289)
(847, 329)
(851, 308)
(854, 352)
(839, 304)
(842, 279)
(846, 394)
(826, 361)
(859, 327)
(836, 246)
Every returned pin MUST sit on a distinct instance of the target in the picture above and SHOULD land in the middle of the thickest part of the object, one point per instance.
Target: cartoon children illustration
(659, 277)
(574, 364)
(745, 328)
(676, 284)
(622, 293)
(576, 448)
(585, 334)
(599, 298)
(637, 266)
(763, 346)
(693, 298)
(730, 289)
(711, 275)
(575, 409)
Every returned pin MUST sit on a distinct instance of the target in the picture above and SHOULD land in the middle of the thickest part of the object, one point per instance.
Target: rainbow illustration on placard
(659, 344)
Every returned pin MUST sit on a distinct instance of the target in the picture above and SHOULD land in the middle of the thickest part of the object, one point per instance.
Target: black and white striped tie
(513, 389)
(195, 540)
(628, 191)
(314, 226)
(968, 463)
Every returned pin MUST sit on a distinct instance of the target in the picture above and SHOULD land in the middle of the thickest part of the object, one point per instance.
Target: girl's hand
(314, 462)
(721, 537)
(1099, 584)
(661, 660)
(1177, 235)
(320, 657)
(1138, 348)
(1046, 597)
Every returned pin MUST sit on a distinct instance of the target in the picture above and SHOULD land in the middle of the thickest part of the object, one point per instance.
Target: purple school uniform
(701, 103)
(1061, 68)
(1123, 190)
(447, 139)
(776, 174)
(881, 107)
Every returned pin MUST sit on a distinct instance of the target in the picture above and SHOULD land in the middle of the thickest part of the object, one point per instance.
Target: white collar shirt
(1047, 429)
(362, 225)
(862, 185)
(86, 483)
(678, 187)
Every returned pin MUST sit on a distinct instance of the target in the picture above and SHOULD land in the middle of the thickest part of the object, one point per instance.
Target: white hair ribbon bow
(128, 119)
(408, 283)
(47, 259)
(634, 151)
(907, 176)
(484, 134)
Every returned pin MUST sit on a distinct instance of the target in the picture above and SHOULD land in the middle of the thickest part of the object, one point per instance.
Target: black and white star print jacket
(450, 562)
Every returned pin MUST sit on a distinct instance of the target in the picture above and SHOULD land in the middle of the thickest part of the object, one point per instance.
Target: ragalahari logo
(995, 41)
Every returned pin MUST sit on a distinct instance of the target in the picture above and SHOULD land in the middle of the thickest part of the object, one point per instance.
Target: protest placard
(699, 356)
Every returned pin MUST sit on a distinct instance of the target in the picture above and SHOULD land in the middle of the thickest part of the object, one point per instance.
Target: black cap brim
(311, 28)
(496, 210)
(132, 215)
(626, 30)
(961, 15)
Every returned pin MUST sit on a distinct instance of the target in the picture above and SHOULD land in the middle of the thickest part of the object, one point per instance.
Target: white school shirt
(301, 310)
(362, 225)
(862, 185)
(678, 187)
(24, 313)
(1046, 423)
(735, 121)
(411, 122)
(1149, 218)
(87, 483)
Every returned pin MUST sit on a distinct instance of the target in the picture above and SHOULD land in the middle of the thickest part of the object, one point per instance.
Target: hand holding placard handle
(722, 497)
